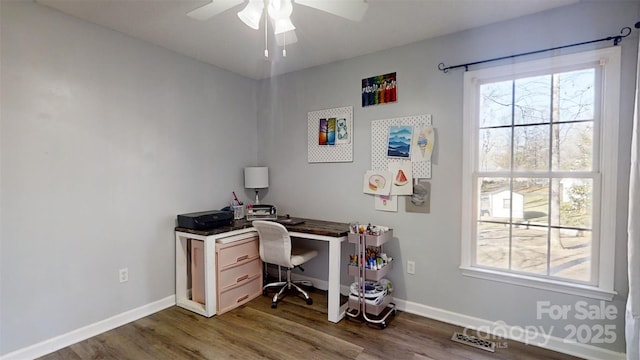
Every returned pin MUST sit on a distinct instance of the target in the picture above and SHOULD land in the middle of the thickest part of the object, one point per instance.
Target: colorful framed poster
(329, 134)
(381, 89)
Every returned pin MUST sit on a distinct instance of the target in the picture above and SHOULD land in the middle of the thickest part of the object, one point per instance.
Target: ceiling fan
(279, 11)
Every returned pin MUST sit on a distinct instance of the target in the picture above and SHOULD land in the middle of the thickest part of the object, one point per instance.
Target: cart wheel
(383, 325)
(274, 305)
(309, 301)
(394, 312)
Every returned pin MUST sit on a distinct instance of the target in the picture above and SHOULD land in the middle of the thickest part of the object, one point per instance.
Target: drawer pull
(243, 257)
(243, 298)
(245, 277)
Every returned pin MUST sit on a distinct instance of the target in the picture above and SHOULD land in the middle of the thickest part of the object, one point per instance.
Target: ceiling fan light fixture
(252, 13)
(283, 25)
(280, 9)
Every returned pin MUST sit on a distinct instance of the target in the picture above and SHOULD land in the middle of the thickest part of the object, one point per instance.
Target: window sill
(544, 284)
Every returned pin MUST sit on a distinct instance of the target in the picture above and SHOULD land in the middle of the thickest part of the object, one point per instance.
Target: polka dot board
(342, 149)
(379, 143)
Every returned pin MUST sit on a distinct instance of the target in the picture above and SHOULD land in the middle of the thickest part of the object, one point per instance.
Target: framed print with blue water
(399, 141)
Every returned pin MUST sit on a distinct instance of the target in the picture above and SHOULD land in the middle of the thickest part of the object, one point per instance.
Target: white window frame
(605, 207)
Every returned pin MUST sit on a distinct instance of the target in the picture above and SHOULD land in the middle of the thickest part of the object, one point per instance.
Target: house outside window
(540, 172)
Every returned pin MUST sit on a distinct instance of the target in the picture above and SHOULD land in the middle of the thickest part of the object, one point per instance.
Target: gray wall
(333, 191)
(104, 139)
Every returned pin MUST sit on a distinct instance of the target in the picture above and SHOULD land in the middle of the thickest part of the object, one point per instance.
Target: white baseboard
(70, 338)
(516, 333)
(585, 351)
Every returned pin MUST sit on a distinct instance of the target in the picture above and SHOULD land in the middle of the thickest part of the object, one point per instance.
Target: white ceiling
(224, 41)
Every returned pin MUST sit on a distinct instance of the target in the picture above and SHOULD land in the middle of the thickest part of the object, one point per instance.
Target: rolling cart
(370, 301)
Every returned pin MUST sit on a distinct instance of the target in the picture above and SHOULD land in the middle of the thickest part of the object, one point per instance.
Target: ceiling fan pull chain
(284, 49)
(266, 48)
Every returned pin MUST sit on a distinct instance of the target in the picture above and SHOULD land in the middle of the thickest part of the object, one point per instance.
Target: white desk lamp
(256, 177)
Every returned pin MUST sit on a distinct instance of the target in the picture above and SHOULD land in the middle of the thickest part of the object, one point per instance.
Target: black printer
(205, 220)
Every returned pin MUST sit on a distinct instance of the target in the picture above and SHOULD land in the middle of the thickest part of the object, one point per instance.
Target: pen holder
(238, 212)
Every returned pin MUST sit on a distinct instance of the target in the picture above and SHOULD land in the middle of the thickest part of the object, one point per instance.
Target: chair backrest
(275, 243)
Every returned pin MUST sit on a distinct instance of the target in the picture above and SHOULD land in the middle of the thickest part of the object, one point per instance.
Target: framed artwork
(377, 182)
(402, 175)
(329, 135)
(420, 200)
(422, 143)
(399, 141)
(381, 89)
(386, 202)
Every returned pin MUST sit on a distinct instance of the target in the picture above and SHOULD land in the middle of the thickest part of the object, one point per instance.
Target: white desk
(335, 311)
(333, 233)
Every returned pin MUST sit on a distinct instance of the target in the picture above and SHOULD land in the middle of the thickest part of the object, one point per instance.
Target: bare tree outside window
(535, 160)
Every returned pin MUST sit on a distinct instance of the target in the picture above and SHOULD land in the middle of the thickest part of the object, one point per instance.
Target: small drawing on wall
(386, 202)
(402, 177)
(379, 89)
(377, 182)
(420, 200)
(399, 141)
(327, 132)
(422, 143)
(343, 131)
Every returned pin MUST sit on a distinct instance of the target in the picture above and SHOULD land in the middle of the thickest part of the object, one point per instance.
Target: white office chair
(275, 248)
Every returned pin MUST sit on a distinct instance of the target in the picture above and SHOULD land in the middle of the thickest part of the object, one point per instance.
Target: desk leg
(181, 270)
(333, 293)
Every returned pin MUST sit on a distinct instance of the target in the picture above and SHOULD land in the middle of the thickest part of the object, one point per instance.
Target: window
(540, 172)
(506, 203)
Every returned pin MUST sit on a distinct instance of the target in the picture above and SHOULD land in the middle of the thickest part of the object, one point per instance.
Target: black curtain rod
(616, 40)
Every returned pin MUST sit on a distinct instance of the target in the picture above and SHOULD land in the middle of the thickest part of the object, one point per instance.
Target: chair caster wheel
(274, 305)
(309, 301)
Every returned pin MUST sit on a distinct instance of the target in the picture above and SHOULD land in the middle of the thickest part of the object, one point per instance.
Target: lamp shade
(256, 177)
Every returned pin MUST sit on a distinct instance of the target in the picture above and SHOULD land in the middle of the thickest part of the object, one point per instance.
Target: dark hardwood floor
(292, 331)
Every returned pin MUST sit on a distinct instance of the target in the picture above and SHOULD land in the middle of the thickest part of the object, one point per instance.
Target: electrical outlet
(124, 275)
(411, 267)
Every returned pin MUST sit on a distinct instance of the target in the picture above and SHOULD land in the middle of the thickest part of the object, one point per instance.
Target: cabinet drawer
(237, 274)
(237, 296)
(236, 252)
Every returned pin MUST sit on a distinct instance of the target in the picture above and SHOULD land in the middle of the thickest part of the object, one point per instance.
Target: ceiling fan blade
(212, 9)
(287, 38)
(348, 9)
